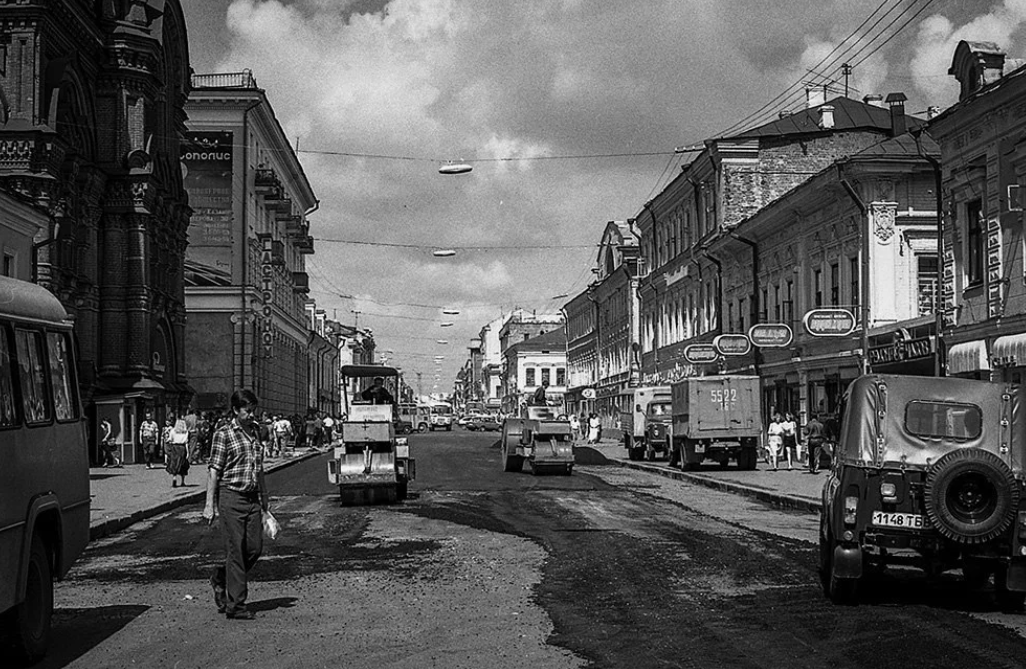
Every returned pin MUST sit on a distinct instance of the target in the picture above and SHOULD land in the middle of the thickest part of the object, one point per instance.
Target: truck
(716, 418)
(441, 416)
(646, 427)
(540, 438)
(370, 463)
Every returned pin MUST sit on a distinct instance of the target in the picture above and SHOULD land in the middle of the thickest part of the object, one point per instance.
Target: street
(610, 567)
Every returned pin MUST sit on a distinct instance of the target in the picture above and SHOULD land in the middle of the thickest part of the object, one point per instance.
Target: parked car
(928, 472)
(485, 423)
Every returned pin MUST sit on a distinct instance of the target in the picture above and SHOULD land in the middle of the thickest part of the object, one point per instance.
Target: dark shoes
(219, 597)
(242, 614)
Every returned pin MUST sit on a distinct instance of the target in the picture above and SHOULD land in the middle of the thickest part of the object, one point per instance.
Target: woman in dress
(594, 428)
(774, 439)
(789, 439)
(178, 453)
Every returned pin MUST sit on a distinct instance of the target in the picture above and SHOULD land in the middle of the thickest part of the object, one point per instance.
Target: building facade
(249, 324)
(20, 225)
(92, 121)
(872, 215)
(983, 157)
(532, 363)
(581, 352)
(729, 180)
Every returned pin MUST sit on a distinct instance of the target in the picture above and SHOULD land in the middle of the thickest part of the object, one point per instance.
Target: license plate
(909, 521)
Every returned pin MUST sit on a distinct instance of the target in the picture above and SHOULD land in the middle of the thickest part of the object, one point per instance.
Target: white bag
(271, 525)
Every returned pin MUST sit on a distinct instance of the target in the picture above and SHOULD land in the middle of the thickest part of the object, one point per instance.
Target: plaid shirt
(237, 456)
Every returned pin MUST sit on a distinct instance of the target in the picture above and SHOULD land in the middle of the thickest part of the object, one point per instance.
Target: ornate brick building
(93, 98)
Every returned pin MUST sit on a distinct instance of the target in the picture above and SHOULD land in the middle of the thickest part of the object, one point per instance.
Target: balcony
(266, 182)
(305, 244)
(301, 281)
(277, 253)
(244, 79)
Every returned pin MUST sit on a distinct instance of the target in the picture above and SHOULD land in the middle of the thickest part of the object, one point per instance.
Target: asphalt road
(608, 567)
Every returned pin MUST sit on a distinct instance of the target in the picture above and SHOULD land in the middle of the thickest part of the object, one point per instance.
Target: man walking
(236, 492)
(148, 433)
(815, 435)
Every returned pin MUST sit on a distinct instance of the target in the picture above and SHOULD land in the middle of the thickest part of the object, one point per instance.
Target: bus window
(64, 404)
(33, 377)
(8, 417)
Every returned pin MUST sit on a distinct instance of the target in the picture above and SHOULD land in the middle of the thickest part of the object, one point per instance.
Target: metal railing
(244, 79)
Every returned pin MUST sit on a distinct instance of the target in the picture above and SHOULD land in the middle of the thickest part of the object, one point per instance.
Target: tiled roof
(848, 115)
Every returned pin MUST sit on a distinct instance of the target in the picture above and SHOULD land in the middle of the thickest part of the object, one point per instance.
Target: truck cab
(646, 428)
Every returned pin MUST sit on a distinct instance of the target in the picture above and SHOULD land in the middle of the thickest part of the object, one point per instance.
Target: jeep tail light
(889, 492)
(851, 505)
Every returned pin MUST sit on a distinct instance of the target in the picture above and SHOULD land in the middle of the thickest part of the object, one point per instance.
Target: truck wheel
(635, 453)
(30, 621)
(971, 496)
(402, 488)
(1009, 601)
(448, 428)
(423, 427)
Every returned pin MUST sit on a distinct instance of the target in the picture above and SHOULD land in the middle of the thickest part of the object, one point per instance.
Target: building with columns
(249, 324)
(93, 116)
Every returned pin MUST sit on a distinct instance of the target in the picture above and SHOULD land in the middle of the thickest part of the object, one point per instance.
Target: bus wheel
(30, 620)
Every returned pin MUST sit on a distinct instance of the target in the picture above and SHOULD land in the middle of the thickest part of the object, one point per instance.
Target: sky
(569, 112)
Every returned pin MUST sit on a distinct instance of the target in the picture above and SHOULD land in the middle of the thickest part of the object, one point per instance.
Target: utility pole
(357, 313)
(846, 70)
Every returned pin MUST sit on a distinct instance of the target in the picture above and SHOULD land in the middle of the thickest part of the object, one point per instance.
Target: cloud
(938, 36)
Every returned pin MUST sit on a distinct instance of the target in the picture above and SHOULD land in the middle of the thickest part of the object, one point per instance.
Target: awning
(1010, 350)
(969, 356)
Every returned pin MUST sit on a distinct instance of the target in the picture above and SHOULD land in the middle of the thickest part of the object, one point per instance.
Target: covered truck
(646, 427)
(370, 462)
(716, 418)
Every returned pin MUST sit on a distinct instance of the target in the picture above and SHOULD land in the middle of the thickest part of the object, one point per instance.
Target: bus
(414, 417)
(441, 416)
(44, 478)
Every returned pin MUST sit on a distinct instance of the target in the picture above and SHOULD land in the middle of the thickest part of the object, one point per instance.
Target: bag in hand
(271, 525)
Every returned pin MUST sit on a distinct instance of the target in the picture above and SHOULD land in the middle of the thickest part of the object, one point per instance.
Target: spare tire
(971, 495)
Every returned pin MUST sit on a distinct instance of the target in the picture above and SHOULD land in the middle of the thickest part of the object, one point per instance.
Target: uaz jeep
(927, 472)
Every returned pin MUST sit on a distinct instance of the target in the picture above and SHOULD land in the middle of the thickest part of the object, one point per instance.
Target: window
(835, 284)
(741, 314)
(943, 419)
(928, 274)
(8, 415)
(789, 303)
(529, 378)
(560, 376)
(8, 268)
(32, 374)
(764, 306)
(776, 304)
(817, 288)
(853, 276)
(730, 316)
(545, 375)
(64, 402)
(975, 246)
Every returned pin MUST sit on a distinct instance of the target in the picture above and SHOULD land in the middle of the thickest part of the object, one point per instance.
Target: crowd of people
(185, 440)
(784, 439)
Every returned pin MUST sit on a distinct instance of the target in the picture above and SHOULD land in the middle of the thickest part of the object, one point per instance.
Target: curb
(779, 500)
(110, 526)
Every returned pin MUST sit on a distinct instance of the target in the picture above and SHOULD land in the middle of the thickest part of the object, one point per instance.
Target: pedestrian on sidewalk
(178, 452)
(236, 492)
(149, 432)
(575, 425)
(594, 428)
(815, 435)
(789, 436)
(775, 439)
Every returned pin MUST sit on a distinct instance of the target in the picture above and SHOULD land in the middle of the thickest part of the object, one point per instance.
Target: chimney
(783, 113)
(932, 111)
(815, 96)
(896, 101)
(826, 117)
(874, 100)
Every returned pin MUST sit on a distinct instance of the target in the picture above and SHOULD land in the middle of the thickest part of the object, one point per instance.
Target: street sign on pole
(832, 322)
(771, 335)
(700, 354)
(732, 344)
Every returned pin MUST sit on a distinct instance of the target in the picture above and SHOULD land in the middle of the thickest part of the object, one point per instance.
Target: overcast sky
(550, 83)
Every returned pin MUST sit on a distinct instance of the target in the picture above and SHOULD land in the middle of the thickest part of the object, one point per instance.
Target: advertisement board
(207, 177)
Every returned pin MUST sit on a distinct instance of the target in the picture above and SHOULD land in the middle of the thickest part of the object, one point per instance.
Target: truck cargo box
(717, 407)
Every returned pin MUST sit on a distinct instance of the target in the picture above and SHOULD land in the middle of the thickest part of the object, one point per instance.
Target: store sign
(901, 350)
(829, 322)
(698, 354)
(267, 296)
(771, 335)
(588, 393)
(732, 344)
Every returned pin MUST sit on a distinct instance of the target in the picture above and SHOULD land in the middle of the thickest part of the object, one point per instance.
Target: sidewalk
(796, 490)
(125, 495)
